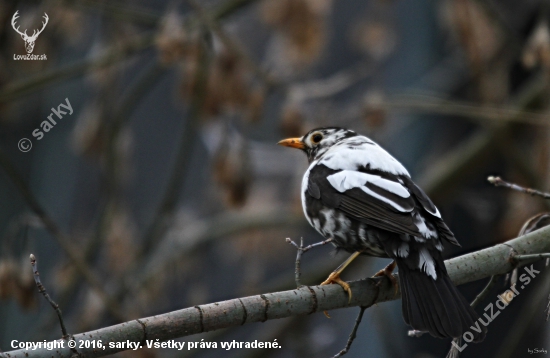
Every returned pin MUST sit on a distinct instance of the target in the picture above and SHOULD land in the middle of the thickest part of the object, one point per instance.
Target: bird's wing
(360, 152)
(385, 202)
(430, 208)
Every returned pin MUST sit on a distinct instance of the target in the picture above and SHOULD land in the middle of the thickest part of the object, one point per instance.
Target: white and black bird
(357, 194)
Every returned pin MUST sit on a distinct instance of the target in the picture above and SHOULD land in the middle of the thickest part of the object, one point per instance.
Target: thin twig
(415, 333)
(55, 306)
(497, 181)
(519, 258)
(353, 333)
(322, 88)
(454, 352)
(485, 291)
(547, 310)
(436, 105)
(301, 249)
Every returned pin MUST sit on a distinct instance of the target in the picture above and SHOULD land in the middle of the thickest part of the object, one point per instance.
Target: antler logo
(29, 40)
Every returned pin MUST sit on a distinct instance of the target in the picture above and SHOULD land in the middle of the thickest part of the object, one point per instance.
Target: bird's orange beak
(293, 143)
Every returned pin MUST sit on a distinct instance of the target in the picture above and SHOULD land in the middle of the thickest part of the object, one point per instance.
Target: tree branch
(497, 181)
(434, 105)
(304, 300)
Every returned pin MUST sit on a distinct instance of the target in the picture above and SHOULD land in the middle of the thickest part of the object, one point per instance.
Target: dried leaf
(537, 49)
(172, 40)
(88, 136)
(302, 24)
(8, 274)
(232, 171)
(121, 249)
(292, 121)
(377, 39)
(374, 112)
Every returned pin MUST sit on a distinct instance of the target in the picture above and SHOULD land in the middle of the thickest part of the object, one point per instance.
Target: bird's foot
(334, 277)
(387, 271)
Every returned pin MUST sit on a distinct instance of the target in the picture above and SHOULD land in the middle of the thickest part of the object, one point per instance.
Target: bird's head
(317, 141)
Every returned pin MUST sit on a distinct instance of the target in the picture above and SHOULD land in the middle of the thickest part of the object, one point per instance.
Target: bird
(358, 195)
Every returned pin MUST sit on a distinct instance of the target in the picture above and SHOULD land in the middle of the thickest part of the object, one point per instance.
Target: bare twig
(42, 290)
(481, 296)
(497, 181)
(415, 333)
(353, 333)
(329, 86)
(55, 306)
(547, 310)
(301, 249)
(454, 352)
(531, 257)
(435, 105)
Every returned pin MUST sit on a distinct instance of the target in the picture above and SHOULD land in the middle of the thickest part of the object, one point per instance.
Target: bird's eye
(316, 138)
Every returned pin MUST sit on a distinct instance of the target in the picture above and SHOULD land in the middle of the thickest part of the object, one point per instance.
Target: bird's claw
(335, 278)
(387, 271)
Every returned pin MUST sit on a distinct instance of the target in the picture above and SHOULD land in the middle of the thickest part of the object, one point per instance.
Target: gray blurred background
(167, 180)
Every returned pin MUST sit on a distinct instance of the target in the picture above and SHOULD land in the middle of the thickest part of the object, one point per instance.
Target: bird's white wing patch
(434, 213)
(349, 179)
(402, 251)
(423, 228)
(356, 152)
(426, 263)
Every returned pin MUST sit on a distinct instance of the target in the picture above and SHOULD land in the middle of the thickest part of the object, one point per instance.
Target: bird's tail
(436, 305)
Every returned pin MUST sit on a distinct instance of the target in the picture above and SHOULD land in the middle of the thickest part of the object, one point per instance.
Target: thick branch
(302, 301)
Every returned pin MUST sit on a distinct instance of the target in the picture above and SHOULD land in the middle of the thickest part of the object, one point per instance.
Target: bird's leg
(334, 277)
(387, 271)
